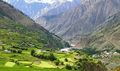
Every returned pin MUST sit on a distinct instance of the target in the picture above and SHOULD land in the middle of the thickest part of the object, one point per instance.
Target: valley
(36, 59)
(56, 60)
(70, 35)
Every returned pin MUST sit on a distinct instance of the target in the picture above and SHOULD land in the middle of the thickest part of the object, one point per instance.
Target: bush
(118, 51)
(3, 48)
(90, 51)
(69, 67)
(86, 64)
(52, 57)
(32, 52)
(46, 56)
(66, 60)
(57, 62)
(62, 63)
(19, 51)
(17, 62)
(15, 50)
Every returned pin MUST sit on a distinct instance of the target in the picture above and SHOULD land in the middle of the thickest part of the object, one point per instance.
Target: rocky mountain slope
(107, 36)
(76, 23)
(73, 21)
(16, 29)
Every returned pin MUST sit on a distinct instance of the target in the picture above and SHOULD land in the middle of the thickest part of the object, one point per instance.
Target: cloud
(47, 1)
(8, 1)
(42, 1)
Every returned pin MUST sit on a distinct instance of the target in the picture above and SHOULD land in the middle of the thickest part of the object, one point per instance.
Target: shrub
(69, 67)
(66, 60)
(62, 63)
(86, 64)
(32, 52)
(57, 62)
(52, 57)
(20, 51)
(17, 62)
(90, 51)
(3, 48)
(47, 56)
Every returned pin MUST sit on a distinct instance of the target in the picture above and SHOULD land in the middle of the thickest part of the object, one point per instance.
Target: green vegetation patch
(9, 64)
(44, 64)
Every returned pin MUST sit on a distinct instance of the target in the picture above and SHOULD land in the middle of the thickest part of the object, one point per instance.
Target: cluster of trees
(86, 64)
(43, 55)
(15, 50)
(47, 56)
(69, 67)
(21, 48)
(58, 62)
(90, 51)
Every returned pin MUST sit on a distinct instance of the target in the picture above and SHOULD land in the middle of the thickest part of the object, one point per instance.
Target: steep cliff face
(81, 20)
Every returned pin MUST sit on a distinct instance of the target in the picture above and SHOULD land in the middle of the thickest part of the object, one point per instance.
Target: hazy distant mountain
(81, 20)
(38, 8)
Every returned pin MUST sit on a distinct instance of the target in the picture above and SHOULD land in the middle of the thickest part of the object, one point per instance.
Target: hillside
(107, 36)
(16, 29)
(27, 46)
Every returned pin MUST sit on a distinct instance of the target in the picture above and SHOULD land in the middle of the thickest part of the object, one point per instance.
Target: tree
(52, 57)
(69, 67)
(66, 60)
(32, 52)
(20, 51)
(57, 62)
(3, 48)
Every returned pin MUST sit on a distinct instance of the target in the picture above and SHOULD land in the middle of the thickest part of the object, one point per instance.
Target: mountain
(38, 8)
(107, 36)
(29, 9)
(72, 20)
(18, 30)
(77, 23)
